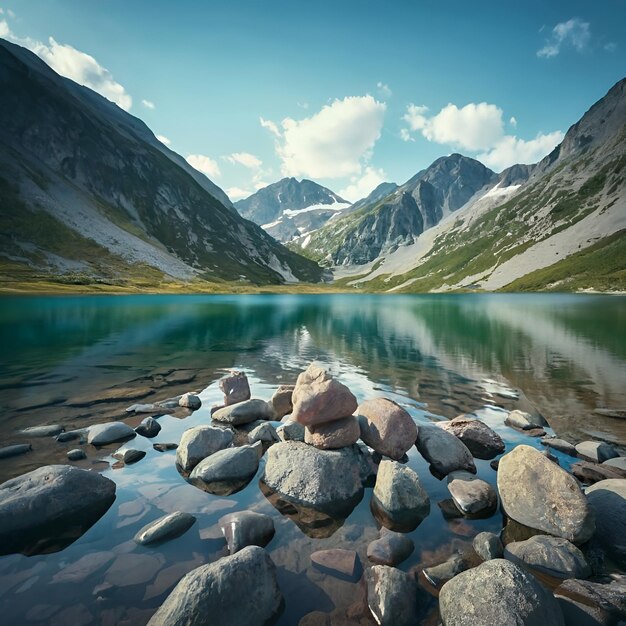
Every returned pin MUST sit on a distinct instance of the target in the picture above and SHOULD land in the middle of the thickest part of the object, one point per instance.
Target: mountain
(88, 194)
(556, 225)
(290, 209)
(383, 224)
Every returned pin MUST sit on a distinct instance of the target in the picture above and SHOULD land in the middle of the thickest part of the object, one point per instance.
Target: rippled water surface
(82, 360)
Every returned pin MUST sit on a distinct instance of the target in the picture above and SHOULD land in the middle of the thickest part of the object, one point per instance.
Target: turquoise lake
(81, 360)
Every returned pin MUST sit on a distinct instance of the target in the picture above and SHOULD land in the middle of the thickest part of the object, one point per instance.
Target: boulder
(473, 496)
(226, 471)
(49, 508)
(586, 603)
(244, 412)
(103, 434)
(390, 549)
(164, 447)
(246, 528)
(497, 592)
(72, 435)
(483, 442)
(149, 427)
(165, 528)
(76, 455)
(438, 575)
(386, 427)
(607, 500)
(15, 450)
(128, 456)
(264, 432)
(240, 589)
(554, 556)
(200, 442)
(589, 473)
(445, 452)
(488, 546)
(619, 462)
(48, 430)
(332, 435)
(521, 420)
(539, 494)
(337, 562)
(391, 596)
(281, 401)
(596, 451)
(319, 398)
(399, 500)
(291, 431)
(235, 387)
(560, 444)
(190, 401)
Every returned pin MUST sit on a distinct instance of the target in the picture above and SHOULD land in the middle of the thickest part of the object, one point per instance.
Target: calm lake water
(82, 360)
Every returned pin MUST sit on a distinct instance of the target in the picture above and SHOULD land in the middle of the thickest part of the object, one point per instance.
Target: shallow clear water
(556, 355)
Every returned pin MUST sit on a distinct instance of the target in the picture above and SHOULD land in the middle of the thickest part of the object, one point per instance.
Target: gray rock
(128, 456)
(15, 450)
(148, 408)
(333, 435)
(240, 589)
(438, 575)
(497, 592)
(319, 398)
(585, 603)
(48, 430)
(619, 462)
(263, 432)
(539, 494)
(244, 412)
(391, 596)
(72, 435)
(554, 556)
(386, 427)
(235, 387)
(445, 452)
(226, 471)
(103, 434)
(50, 507)
(560, 444)
(149, 427)
(399, 500)
(390, 549)
(200, 442)
(337, 561)
(596, 451)
(521, 420)
(607, 500)
(165, 528)
(473, 496)
(190, 401)
(281, 401)
(164, 447)
(483, 442)
(291, 431)
(488, 546)
(246, 528)
(76, 455)
(589, 473)
(324, 479)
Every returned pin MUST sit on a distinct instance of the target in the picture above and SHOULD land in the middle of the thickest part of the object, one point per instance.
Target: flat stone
(263, 432)
(619, 462)
(391, 596)
(488, 546)
(586, 603)
(49, 430)
(390, 549)
(86, 566)
(438, 575)
(590, 473)
(521, 420)
(190, 401)
(200, 442)
(15, 450)
(244, 412)
(560, 444)
(180, 377)
(235, 387)
(473, 497)
(149, 427)
(483, 442)
(607, 500)
(445, 452)
(165, 528)
(337, 561)
(333, 435)
(246, 528)
(281, 401)
(146, 408)
(164, 447)
(128, 456)
(72, 435)
(596, 451)
(103, 434)
(291, 431)
(76, 455)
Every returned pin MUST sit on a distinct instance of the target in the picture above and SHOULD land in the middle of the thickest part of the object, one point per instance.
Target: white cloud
(405, 135)
(332, 143)
(148, 104)
(513, 122)
(303, 105)
(574, 33)
(236, 193)
(204, 164)
(511, 150)
(383, 90)
(244, 158)
(361, 186)
(164, 140)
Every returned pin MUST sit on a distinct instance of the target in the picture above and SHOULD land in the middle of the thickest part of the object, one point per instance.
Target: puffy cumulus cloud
(361, 186)
(332, 143)
(574, 33)
(204, 164)
(244, 158)
(236, 193)
(164, 140)
(511, 150)
(148, 104)
(383, 90)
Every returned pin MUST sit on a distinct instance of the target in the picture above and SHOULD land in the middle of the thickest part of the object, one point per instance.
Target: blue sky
(346, 93)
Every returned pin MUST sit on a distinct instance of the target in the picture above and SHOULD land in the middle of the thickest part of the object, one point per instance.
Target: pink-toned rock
(386, 427)
(332, 435)
(337, 560)
(282, 402)
(319, 398)
(235, 388)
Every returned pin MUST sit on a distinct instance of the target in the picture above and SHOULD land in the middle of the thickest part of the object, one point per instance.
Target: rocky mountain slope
(87, 193)
(560, 224)
(290, 209)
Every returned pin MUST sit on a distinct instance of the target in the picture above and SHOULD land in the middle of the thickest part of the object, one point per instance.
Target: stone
(554, 556)
(560, 444)
(84, 567)
(103, 434)
(483, 442)
(72, 435)
(240, 589)
(539, 494)
(165, 528)
(128, 456)
(586, 603)
(149, 427)
(20, 448)
(319, 398)
(291, 431)
(497, 592)
(235, 387)
(617, 413)
(596, 451)
(488, 546)
(200, 442)
(399, 498)
(155, 409)
(337, 561)
(49, 508)
(263, 432)
(332, 435)
(164, 447)
(48, 430)
(521, 420)
(390, 549)
(386, 427)
(226, 471)
(321, 479)
(473, 496)
(244, 412)
(590, 473)
(391, 596)
(438, 575)
(619, 462)
(445, 452)
(607, 500)
(76, 455)
(246, 528)
(281, 401)
(190, 401)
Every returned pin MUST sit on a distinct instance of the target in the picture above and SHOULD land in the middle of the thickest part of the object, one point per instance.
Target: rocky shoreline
(559, 558)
